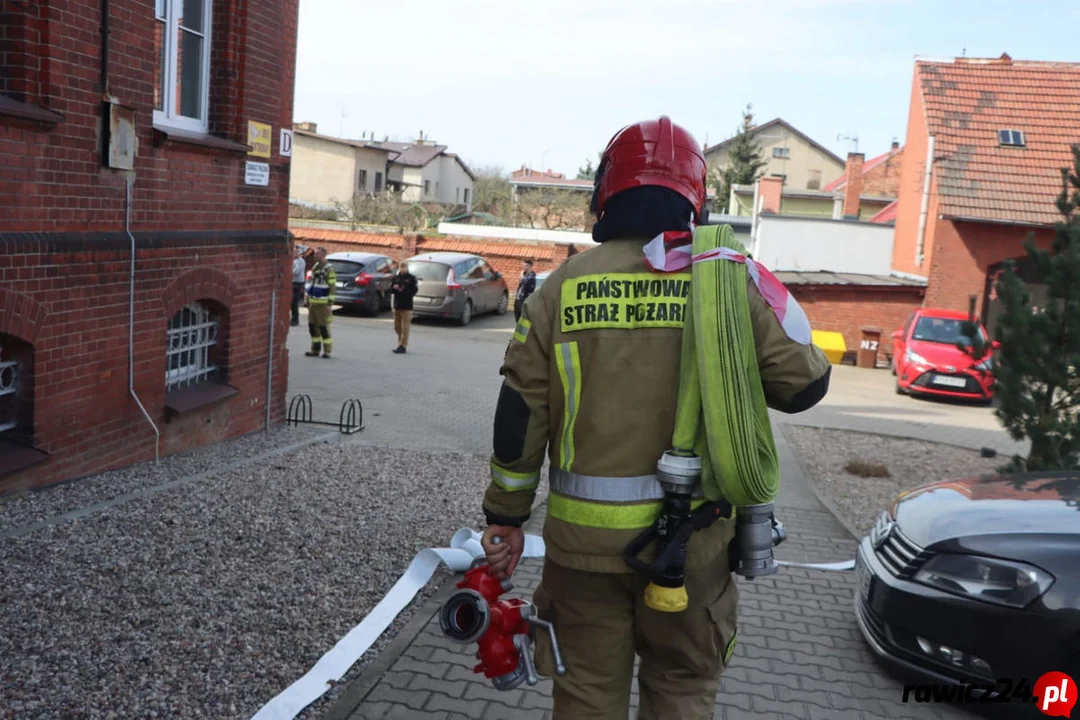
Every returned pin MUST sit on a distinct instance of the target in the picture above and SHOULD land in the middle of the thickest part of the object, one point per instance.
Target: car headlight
(914, 357)
(986, 365)
(989, 579)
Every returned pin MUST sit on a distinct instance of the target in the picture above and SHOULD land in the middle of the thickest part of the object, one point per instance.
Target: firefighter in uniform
(595, 377)
(321, 305)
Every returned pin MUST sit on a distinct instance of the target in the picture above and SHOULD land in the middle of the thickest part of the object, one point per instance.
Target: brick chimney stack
(770, 190)
(307, 127)
(854, 185)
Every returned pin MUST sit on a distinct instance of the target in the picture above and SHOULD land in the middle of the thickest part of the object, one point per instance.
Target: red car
(927, 361)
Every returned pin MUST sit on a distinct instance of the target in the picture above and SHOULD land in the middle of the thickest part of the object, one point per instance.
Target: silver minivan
(457, 286)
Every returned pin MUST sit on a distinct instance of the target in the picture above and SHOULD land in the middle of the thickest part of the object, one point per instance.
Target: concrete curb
(893, 436)
(821, 497)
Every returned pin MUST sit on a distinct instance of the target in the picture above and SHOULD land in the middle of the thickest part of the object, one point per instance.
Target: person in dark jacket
(402, 288)
(526, 287)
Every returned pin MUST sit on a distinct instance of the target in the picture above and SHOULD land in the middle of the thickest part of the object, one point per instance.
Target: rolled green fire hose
(722, 415)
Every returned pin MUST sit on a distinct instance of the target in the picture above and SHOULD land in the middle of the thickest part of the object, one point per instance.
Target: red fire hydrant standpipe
(502, 629)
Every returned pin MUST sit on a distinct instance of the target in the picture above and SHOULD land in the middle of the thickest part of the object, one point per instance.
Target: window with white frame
(182, 57)
(191, 351)
(781, 152)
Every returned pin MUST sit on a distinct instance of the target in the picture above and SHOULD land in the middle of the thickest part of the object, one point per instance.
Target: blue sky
(546, 83)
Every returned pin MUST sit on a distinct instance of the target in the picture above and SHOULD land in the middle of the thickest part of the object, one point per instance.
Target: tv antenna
(341, 132)
(841, 137)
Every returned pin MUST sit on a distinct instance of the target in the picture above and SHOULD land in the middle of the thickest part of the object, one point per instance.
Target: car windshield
(948, 331)
(423, 270)
(345, 267)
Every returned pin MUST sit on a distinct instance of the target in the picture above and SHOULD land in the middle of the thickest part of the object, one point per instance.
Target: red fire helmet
(652, 152)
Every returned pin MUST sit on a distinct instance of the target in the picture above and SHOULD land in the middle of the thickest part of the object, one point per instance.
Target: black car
(363, 281)
(976, 580)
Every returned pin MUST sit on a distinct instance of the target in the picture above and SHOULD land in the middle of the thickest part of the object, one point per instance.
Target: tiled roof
(888, 213)
(710, 149)
(343, 141)
(418, 155)
(840, 182)
(507, 248)
(344, 236)
(968, 102)
(849, 279)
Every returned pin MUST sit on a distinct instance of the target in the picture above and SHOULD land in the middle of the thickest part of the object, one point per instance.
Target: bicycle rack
(350, 419)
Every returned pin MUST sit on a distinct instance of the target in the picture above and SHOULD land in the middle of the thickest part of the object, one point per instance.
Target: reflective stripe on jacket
(323, 284)
(591, 380)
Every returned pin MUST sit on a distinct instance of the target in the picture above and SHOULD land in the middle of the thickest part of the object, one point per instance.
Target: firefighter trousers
(319, 316)
(601, 623)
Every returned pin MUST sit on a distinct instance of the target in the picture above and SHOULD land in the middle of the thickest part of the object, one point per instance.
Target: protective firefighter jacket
(590, 379)
(322, 285)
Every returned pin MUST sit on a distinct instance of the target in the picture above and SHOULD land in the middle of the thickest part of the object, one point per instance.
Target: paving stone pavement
(800, 653)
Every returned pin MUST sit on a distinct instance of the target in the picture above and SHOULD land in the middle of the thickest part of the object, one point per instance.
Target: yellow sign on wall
(259, 138)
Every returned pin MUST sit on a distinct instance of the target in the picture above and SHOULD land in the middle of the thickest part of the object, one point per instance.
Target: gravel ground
(22, 509)
(825, 453)
(209, 599)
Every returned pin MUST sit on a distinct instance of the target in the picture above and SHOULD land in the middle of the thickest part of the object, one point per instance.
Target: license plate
(950, 381)
(862, 577)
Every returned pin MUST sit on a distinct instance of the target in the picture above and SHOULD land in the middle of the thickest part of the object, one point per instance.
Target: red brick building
(986, 143)
(126, 115)
(879, 176)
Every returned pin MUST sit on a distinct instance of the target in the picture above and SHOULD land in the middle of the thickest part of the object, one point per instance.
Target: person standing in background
(321, 305)
(526, 287)
(299, 270)
(403, 287)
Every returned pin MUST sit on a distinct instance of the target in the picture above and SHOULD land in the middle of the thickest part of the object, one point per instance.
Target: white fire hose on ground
(464, 549)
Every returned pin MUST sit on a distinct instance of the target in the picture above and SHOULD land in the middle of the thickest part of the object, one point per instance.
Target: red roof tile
(507, 248)
(840, 182)
(967, 102)
(345, 236)
(887, 214)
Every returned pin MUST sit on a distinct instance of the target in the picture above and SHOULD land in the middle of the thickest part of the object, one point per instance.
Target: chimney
(895, 145)
(853, 188)
(307, 127)
(770, 190)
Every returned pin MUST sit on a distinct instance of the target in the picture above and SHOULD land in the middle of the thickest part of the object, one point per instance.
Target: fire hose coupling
(751, 555)
(757, 531)
(503, 629)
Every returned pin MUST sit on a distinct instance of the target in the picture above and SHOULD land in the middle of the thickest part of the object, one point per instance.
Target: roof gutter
(986, 221)
(921, 243)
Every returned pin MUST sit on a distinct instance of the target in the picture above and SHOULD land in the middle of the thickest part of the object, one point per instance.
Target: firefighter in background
(592, 373)
(321, 305)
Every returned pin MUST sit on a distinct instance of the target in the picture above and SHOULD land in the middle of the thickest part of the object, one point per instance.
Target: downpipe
(131, 322)
(270, 355)
(924, 209)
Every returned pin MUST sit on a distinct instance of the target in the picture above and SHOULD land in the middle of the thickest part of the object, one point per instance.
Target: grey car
(457, 286)
(363, 281)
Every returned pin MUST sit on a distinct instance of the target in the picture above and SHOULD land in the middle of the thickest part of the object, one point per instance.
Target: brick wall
(963, 252)
(52, 176)
(69, 301)
(506, 256)
(848, 309)
(201, 233)
(883, 180)
(912, 172)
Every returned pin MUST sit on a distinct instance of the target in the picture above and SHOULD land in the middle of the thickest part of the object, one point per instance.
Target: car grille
(971, 385)
(897, 553)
